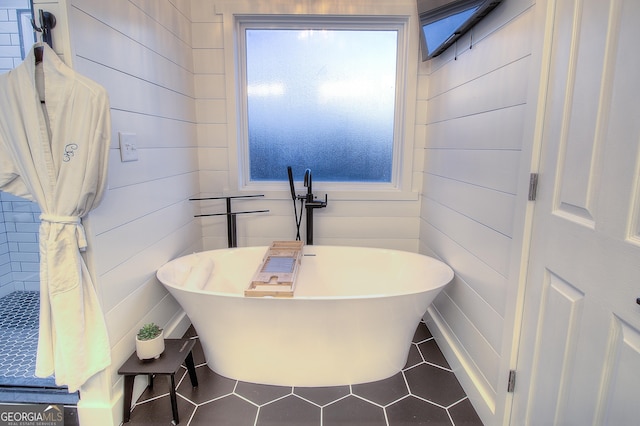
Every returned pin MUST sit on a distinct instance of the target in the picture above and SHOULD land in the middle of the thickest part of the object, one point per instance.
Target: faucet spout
(308, 184)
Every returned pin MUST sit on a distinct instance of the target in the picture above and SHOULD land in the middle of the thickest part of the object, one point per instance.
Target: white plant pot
(150, 349)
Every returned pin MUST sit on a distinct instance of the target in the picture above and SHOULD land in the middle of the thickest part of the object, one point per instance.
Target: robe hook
(47, 22)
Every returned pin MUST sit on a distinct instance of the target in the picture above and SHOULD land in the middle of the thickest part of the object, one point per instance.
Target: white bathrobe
(55, 153)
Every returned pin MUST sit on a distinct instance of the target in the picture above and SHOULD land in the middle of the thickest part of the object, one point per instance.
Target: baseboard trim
(92, 411)
(177, 326)
(481, 397)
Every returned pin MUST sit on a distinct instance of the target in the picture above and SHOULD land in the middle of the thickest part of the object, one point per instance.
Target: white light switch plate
(128, 148)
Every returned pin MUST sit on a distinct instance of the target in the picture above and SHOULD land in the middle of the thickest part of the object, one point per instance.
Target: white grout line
(322, 407)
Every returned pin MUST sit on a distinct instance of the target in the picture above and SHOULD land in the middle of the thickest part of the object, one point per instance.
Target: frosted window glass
(321, 99)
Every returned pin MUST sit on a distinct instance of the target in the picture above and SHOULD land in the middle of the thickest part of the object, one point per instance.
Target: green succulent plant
(149, 331)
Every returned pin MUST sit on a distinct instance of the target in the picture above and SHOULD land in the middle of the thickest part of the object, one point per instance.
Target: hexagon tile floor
(19, 312)
(424, 392)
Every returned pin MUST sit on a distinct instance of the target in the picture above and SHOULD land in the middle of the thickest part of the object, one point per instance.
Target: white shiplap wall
(477, 161)
(141, 51)
(169, 82)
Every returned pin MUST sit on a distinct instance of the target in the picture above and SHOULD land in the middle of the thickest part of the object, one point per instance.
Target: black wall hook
(47, 22)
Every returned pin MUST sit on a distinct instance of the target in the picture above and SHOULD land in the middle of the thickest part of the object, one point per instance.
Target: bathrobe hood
(55, 153)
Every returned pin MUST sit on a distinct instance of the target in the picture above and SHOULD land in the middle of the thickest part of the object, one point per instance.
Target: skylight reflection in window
(437, 32)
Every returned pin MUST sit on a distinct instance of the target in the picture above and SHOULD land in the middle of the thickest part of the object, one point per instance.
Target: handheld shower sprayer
(291, 185)
(311, 203)
(308, 184)
(294, 197)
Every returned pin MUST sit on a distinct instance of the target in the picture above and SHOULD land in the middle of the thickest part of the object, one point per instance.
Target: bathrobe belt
(68, 220)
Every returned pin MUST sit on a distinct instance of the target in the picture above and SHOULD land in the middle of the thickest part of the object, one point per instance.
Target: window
(443, 25)
(321, 95)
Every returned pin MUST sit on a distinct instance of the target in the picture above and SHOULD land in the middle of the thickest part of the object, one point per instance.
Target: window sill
(333, 195)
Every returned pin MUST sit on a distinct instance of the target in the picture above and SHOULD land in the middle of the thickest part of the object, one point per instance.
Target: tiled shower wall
(19, 252)
(19, 257)
(5, 259)
(12, 23)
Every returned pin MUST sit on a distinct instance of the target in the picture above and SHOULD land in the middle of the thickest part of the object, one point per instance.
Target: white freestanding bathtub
(351, 320)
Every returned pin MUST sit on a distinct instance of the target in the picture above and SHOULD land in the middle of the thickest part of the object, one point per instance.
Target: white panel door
(579, 353)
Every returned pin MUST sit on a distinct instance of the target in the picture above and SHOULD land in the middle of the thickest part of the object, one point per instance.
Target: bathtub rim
(435, 261)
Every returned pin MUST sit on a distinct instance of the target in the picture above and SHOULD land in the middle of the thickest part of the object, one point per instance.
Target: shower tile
(19, 338)
(32, 285)
(26, 257)
(5, 289)
(21, 237)
(19, 312)
(37, 395)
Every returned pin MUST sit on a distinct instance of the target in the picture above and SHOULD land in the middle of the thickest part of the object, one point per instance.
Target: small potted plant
(149, 342)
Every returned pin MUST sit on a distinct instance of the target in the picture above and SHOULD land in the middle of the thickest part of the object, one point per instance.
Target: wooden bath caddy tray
(276, 275)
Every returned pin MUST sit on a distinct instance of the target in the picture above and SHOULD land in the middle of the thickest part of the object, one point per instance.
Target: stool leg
(128, 393)
(174, 401)
(192, 370)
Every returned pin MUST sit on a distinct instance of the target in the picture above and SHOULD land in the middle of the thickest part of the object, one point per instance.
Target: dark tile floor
(19, 317)
(19, 312)
(424, 392)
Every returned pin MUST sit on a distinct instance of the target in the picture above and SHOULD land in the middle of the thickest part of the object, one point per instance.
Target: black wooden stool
(176, 351)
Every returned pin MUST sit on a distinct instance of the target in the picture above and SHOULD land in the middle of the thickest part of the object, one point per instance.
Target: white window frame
(400, 17)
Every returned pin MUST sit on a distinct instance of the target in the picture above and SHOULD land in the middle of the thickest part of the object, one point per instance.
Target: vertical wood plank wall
(141, 52)
(477, 147)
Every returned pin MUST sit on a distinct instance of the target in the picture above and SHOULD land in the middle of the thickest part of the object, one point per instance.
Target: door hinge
(533, 186)
(512, 381)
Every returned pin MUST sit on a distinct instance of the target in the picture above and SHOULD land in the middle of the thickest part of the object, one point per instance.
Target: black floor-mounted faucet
(309, 201)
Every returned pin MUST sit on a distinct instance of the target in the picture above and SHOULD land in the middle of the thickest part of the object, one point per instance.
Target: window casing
(328, 172)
